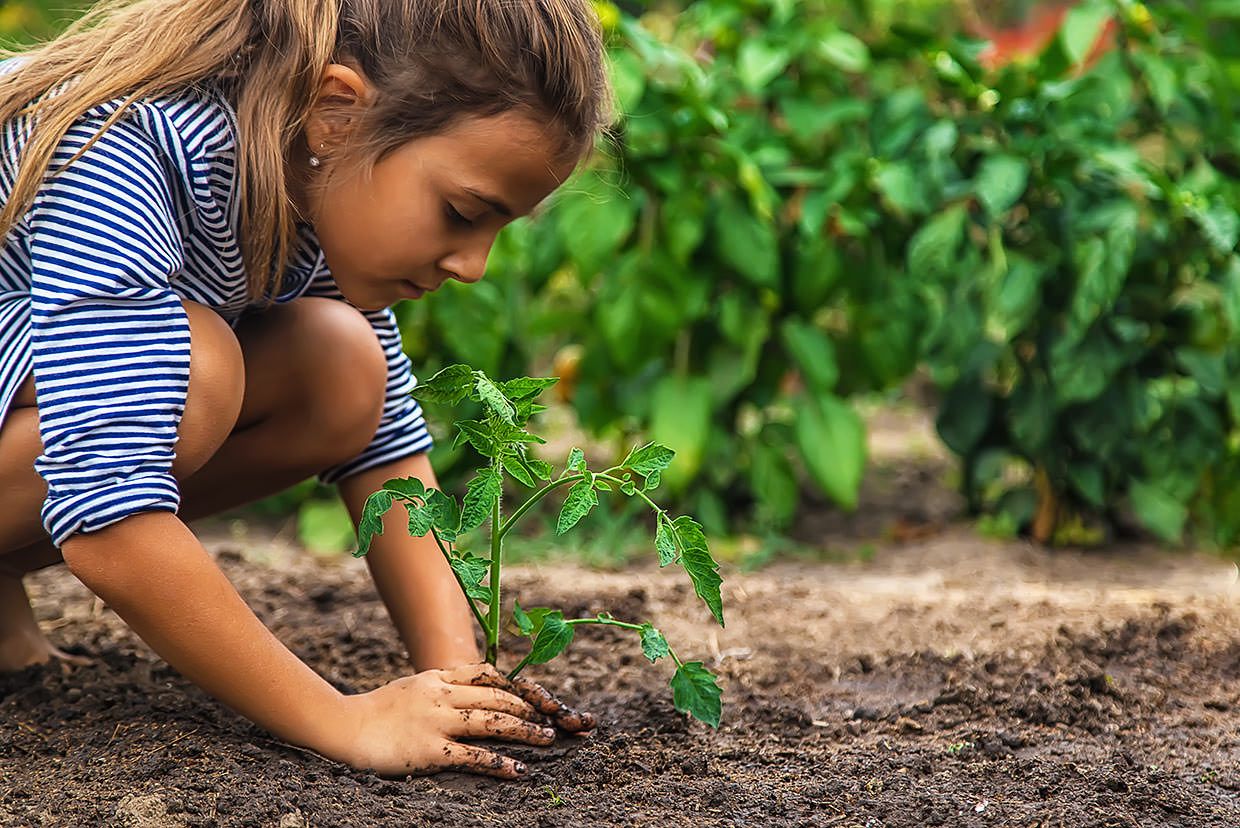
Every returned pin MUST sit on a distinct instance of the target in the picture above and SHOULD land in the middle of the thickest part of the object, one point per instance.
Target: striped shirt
(91, 279)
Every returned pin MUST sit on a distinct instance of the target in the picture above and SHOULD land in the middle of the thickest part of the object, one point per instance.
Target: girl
(209, 207)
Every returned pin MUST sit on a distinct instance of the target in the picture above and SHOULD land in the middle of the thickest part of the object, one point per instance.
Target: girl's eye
(455, 217)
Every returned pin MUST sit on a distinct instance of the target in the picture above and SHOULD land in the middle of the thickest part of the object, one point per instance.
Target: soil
(947, 679)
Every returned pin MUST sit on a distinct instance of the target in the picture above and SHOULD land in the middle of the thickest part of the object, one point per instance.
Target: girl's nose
(467, 265)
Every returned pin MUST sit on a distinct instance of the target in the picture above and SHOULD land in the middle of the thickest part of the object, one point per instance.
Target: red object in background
(1010, 42)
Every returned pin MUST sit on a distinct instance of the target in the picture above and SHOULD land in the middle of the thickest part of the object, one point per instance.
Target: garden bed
(950, 680)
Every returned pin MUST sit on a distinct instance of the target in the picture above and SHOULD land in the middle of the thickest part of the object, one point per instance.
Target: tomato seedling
(501, 436)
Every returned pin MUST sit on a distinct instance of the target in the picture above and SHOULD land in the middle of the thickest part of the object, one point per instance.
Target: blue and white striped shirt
(91, 279)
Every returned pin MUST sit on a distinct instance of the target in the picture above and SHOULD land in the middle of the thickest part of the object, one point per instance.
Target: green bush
(1090, 329)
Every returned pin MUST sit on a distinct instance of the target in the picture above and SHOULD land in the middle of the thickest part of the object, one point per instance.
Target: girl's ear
(343, 94)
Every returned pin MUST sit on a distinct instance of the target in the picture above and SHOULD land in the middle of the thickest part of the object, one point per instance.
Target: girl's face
(431, 209)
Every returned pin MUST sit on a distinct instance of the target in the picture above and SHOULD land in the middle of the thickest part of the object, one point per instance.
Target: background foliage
(808, 200)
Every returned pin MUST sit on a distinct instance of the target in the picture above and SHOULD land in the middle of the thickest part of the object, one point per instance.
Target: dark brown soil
(947, 680)
(952, 682)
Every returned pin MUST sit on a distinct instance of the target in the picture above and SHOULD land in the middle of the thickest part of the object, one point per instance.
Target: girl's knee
(216, 389)
(343, 373)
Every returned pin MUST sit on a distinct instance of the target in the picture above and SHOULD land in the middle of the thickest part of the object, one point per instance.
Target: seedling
(501, 436)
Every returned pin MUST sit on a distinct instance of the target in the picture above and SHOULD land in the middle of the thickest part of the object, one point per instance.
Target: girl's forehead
(509, 161)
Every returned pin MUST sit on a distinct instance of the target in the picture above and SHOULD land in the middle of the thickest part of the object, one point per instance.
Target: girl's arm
(414, 581)
(153, 572)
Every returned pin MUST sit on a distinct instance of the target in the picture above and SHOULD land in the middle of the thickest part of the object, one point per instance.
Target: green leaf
(576, 460)
(478, 435)
(594, 219)
(524, 623)
(629, 488)
(902, 185)
(421, 520)
(832, 441)
(654, 645)
(472, 570)
(845, 51)
(408, 488)
(652, 482)
(1081, 28)
(774, 485)
(695, 558)
(747, 243)
(758, 63)
(1081, 372)
(581, 499)
(448, 387)
(526, 387)
(695, 692)
(1001, 182)
(932, 250)
(371, 523)
(628, 78)
(493, 398)
(480, 498)
(681, 413)
(649, 458)
(445, 514)
(813, 353)
(541, 468)
(665, 541)
(1161, 513)
(552, 638)
(965, 414)
(530, 622)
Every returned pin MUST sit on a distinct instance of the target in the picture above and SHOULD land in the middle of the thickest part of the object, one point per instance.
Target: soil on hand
(950, 682)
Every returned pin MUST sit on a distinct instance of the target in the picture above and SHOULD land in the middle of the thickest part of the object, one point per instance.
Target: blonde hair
(430, 63)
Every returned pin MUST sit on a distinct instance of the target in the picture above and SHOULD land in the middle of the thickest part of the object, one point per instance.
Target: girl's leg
(314, 384)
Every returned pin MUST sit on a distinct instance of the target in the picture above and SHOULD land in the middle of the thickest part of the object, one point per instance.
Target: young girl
(209, 207)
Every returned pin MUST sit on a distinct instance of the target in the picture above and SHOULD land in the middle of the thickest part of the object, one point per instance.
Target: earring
(314, 159)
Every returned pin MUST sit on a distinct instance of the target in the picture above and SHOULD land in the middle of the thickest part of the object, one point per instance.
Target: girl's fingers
(470, 697)
(472, 759)
(488, 724)
(564, 716)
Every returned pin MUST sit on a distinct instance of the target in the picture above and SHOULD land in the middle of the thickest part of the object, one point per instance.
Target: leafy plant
(501, 436)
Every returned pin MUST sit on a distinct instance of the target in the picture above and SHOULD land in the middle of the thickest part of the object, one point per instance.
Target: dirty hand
(411, 725)
(560, 714)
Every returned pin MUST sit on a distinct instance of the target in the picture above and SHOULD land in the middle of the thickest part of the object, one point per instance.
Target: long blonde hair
(431, 63)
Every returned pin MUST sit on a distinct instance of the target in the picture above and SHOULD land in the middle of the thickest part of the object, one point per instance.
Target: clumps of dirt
(1123, 718)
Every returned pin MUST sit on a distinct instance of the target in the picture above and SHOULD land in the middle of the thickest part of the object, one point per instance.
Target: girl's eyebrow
(491, 201)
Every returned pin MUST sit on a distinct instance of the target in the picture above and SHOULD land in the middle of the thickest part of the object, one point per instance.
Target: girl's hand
(563, 716)
(411, 725)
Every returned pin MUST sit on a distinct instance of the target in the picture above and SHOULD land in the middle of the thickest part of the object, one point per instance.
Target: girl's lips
(410, 291)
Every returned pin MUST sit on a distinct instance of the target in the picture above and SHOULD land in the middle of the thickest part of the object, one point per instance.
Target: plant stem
(537, 496)
(492, 626)
(609, 622)
(605, 476)
(464, 591)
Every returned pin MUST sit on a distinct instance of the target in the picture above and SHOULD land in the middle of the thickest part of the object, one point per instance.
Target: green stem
(492, 626)
(464, 590)
(537, 496)
(658, 509)
(609, 622)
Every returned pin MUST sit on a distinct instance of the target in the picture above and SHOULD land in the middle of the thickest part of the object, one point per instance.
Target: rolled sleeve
(110, 339)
